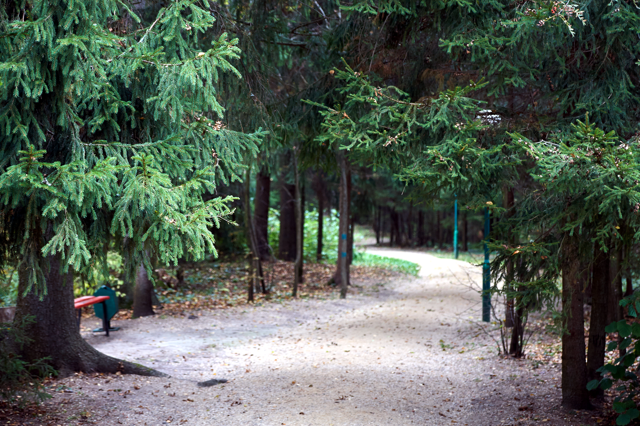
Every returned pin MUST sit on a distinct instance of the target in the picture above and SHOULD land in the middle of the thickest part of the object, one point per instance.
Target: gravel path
(410, 353)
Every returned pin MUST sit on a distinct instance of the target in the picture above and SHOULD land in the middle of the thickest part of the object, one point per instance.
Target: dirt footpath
(406, 353)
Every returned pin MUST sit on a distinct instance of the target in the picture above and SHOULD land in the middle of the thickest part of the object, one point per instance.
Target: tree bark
(143, 294)
(598, 322)
(341, 276)
(439, 230)
(396, 238)
(321, 195)
(299, 212)
(614, 311)
(261, 215)
(287, 237)
(420, 228)
(255, 262)
(574, 367)
(320, 231)
(55, 331)
(352, 225)
(465, 235)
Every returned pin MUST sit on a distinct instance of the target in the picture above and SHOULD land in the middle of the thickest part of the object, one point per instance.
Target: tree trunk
(143, 294)
(287, 237)
(465, 234)
(574, 368)
(352, 224)
(320, 232)
(439, 230)
(376, 223)
(420, 228)
(395, 229)
(255, 263)
(598, 322)
(55, 331)
(614, 311)
(261, 215)
(299, 211)
(341, 276)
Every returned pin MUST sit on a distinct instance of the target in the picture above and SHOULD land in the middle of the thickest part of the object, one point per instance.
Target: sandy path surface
(411, 353)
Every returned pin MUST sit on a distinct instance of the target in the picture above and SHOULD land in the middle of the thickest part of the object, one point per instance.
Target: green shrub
(20, 381)
(623, 370)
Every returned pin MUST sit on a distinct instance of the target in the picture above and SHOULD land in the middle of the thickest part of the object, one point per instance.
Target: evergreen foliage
(112, 128)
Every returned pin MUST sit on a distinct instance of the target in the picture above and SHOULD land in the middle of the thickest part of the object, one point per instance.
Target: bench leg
(105, 320)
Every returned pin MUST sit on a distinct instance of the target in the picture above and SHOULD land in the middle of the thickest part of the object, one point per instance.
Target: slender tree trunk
(341, 276)
(376, 223)
(287, 237)
(261, 214)
(352, 225)
(255, 264)
(299, 204)
(598, 322)
(55, 331)
(510, 321)
(320, 230)
(396, 239)
(614, 311)
(439, 230)
(420, 228)
(391, 228)
(321, 195)
(465, 234)
(574, 367)
(409, 236)
(143, 294)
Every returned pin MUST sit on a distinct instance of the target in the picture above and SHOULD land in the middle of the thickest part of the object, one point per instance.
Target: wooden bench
(84, 301)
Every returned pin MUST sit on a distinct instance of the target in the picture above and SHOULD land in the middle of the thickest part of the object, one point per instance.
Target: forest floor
(398, 351)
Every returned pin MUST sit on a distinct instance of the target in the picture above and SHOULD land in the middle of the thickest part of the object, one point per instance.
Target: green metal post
(486, 271)
(455, 229)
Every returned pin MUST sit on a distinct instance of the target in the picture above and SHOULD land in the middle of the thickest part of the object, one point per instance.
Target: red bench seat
(85, 301)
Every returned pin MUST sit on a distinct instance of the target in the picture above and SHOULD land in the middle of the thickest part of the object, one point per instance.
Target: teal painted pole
(455, 229)
(486, 271)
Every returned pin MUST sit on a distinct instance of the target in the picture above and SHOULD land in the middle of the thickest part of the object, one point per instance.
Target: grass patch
(372, 260)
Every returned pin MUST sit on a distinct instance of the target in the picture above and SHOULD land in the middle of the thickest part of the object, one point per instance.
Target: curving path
(412, 353)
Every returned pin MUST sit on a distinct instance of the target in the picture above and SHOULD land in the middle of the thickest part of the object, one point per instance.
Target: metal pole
(455, 229)
(486, 271)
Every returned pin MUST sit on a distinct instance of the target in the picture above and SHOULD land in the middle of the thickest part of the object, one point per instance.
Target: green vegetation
(21, 381)
(373, 260)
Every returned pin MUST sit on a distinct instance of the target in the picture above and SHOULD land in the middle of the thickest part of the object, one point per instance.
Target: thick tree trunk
(574, 367)
(261, 215)
(55, 331)
(598, 322)
(287, 237)
(341, 276)
(143, 295)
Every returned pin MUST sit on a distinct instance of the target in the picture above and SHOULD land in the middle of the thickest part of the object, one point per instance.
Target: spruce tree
(111, 130)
